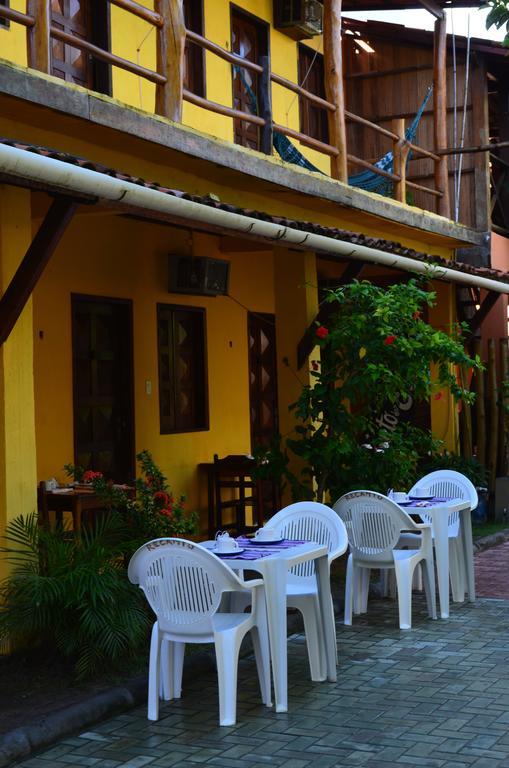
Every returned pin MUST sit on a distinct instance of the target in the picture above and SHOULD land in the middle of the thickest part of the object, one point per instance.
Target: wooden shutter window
(183, 405)
(194, 56)
(313, 119)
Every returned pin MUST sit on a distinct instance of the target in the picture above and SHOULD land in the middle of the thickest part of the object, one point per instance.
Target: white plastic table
(274, 569)
(439, 512)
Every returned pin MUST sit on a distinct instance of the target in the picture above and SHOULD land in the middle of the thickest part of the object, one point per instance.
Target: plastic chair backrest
(450, 485)
(311, 521)
(182, 582)
(373, 523)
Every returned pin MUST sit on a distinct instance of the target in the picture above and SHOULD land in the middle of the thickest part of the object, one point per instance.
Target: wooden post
(440, 114)
(503, 456)
(38, 37)
(266, 106)
(333, 66)
(480, 409)
(400, 152)
(466, 411)
(493, 396)
(171, 40)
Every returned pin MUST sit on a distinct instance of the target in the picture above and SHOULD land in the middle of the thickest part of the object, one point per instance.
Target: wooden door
(103, 386)
(71, 64)
(250, 41)
(262, 378)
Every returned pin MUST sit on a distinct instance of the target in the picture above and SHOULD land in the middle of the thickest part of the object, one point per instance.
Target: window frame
(305, 106)
(196, 77)
(5, 23)
(165, 425)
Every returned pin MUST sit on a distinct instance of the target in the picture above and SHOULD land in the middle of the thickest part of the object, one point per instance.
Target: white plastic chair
(374, 524)
(184, 584)
(310, 521)
(453, 485)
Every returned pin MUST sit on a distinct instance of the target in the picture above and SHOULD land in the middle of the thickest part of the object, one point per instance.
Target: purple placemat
(257, 551)
(415, 503)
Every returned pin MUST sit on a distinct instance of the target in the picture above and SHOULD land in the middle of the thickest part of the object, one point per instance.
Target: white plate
(262, 543)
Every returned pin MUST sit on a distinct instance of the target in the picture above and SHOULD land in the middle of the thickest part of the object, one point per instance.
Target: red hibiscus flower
(416, 315)
(389, 340)
(438, 396)
(90, 475)
(322, 332)
(315, 365)
(162, 496)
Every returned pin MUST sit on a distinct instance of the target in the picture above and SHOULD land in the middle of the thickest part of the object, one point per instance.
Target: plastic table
(439, 512)
(274, 569)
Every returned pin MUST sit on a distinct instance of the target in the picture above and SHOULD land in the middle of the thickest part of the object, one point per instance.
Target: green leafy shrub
(471, 468)
(72, 592)
(376, 350)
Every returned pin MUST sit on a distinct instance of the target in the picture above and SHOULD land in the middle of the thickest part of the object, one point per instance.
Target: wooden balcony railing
(171, 34)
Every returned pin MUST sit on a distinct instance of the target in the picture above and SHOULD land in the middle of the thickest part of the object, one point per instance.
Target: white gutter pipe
(31, 166)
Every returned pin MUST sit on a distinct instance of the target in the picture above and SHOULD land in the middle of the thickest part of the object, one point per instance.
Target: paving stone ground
(492, 572)
(435, 696)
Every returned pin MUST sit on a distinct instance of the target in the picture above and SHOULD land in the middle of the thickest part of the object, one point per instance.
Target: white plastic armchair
(374, 524)
(310, 521)
(183, 584)
(452, 485)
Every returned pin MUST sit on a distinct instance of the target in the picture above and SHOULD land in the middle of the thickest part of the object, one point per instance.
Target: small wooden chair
(234, 490)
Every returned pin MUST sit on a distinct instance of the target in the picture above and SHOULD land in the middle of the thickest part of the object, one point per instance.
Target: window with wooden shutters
(194, 58)
(313, 119)
(4, 23)
(183, 405)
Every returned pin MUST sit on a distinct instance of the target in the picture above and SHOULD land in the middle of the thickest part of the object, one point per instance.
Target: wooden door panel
(103, 399)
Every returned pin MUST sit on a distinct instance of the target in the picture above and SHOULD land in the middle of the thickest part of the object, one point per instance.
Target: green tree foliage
(375, 352)
(498, 16)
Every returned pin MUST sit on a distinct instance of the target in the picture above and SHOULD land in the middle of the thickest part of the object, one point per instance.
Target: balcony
(353, 139)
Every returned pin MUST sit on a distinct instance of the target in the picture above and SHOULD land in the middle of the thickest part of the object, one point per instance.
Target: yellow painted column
(444, 413)
(296, 306)
(18, 476)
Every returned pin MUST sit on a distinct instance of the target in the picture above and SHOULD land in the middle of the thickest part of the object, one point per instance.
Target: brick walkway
(492, 572)
(436, 696)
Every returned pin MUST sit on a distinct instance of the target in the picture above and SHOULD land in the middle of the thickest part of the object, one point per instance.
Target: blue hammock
(368, 180)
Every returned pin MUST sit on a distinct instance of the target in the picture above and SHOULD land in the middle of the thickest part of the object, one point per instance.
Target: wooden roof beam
(480, 316)
(433, 8)
(308, 341)
(34, 262)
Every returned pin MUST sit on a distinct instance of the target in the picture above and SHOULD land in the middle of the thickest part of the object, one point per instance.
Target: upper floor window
(183, 402)
(313, 119)
(250, 40)
(89, 21)
(5, 23)
(194, 60)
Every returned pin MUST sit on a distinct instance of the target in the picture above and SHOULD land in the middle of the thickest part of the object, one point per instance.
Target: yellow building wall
(119, 258)
(17, 424)
(444, 413)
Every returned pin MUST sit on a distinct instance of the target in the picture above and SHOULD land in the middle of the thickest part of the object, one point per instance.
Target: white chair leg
(227, 658)
(417, 579)
(428, 573)
(260, 642)
(365, 579)
(179, 650)
(154, 673)
(310, 611)
(349, 588)
(166, 684)
(404, 585)
(457, 571)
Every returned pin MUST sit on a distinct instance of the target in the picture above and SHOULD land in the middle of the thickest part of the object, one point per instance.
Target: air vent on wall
(299, 19)
(199, 276)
